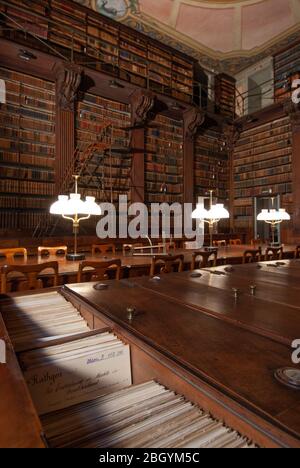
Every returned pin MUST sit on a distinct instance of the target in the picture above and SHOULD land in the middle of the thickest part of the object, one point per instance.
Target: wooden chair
(103, 249)
(274, 253)
(220, 243)
(60, 250)
(99, 270)
(206, 259)
(168, 264)
(30, 276)
(251, 256)
(10, 254)
(235, 242)
(297, 252)
(257, 243)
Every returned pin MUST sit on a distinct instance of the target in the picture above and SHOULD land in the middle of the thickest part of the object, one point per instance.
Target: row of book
(164, 161)
(92, 36)
(20, 220)
(211, 165)
(19, 203)
(225, 95)
(271, 171)
(37, 161)
(286, 69)
(22, 173)
(23, 187)
(282, 189)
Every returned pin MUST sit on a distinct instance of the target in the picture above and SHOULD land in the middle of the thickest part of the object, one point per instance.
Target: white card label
(59, 385)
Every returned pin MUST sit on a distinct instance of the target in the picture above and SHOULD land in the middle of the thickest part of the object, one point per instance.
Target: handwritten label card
(59, 385)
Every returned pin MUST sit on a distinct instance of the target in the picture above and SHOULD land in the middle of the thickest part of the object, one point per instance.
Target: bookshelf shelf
(117, 50)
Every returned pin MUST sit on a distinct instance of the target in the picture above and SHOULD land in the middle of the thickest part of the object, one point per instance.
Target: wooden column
(232, 134)
(192, 119)
(142, 103)
(68, 78)
(294, 113)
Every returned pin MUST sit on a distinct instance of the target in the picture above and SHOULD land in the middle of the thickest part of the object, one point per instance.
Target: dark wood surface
(19, 424)
(235, 346)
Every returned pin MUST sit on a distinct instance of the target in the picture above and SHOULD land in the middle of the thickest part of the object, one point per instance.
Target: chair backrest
(251, 256)
(297, 252)
(103, 248)
(235, 242)
(167, 264)
(99, 270)
(30, 273)
(220, 243)
(274, 253)
(10, 254)
(60, 250)
(257, 243)
(205, 259)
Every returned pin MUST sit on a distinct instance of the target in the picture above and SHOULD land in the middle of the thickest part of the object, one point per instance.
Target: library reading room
(150, 224)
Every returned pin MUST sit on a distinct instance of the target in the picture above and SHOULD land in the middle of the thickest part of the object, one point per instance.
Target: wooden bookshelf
(225, 95)
(262, 161)
(211, 170)
(164, 161)
(92, 112)
(104, 45)
(27, 149)
(286, 69)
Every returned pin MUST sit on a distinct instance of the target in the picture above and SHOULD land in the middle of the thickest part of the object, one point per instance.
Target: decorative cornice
(68, 79)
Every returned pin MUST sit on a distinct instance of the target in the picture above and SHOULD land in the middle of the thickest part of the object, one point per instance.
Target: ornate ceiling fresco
(226, 35)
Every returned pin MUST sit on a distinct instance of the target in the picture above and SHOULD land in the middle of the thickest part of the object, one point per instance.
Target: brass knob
(236, 292)
(253, 289)
(130, 313)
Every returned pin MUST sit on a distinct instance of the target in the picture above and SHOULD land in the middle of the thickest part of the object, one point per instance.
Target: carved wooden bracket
(142, 103)
(232, 133)
(193, 119)
(68, 79)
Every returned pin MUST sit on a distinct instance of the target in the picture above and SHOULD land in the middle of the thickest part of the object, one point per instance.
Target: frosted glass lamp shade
(60, 206)
(91, 207)
(273, 215)
(199, 213)
(218, 212)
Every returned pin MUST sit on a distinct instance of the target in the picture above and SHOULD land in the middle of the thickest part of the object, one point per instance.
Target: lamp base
(75, 257)
(210, 249)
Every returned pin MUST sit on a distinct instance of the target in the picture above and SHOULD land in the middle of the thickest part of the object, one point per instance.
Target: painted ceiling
(226, 35)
